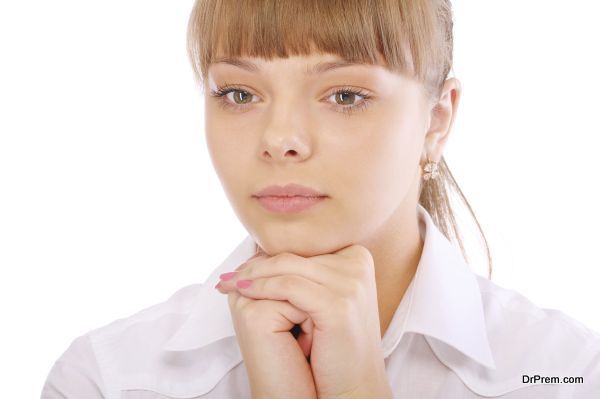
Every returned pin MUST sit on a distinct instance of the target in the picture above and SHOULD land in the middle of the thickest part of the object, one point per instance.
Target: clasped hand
(333, 297)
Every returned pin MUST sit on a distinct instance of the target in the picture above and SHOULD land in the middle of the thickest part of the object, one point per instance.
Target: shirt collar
(443, 301)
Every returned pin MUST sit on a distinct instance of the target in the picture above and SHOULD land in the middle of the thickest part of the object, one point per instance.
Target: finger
(290, 313)
(305, 338)
(243, 265)
(237, 301)
(290, 264)
(311, 297)
(291, 316)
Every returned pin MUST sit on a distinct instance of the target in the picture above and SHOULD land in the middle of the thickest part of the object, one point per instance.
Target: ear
(442, 114)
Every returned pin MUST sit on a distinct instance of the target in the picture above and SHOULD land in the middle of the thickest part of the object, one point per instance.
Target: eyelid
(366, 94)
(223, 91)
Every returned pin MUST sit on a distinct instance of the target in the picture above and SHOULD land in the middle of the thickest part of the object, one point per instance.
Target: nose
(284, 149)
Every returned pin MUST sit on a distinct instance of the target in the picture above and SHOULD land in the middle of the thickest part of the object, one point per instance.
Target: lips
(289, 190)
(286, 205)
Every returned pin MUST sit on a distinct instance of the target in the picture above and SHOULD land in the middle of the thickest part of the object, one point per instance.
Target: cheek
(227, 156)
(398, 154)
(381, 167)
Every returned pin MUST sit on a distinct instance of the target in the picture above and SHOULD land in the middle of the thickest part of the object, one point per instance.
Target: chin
(306, 248)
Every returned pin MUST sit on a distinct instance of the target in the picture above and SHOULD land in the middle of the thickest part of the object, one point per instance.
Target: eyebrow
(316, 69)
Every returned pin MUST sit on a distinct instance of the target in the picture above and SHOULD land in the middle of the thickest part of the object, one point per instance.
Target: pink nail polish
(227, 276)
(243, 283)
(218, 285)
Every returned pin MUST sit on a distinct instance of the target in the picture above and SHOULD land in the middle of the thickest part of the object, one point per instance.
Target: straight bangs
(403, 36)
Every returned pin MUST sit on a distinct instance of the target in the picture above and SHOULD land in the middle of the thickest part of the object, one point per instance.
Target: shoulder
(508, 310)
(154, 324)
(528, 340)
(93, 364)
(75, 374)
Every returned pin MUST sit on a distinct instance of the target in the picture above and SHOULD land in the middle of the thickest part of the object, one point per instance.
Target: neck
(396, 251)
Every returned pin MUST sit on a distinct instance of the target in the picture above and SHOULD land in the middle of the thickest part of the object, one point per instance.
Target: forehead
(309, 66)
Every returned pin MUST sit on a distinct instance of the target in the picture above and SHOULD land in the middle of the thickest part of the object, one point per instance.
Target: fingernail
(243, 283)
(218, 285)
(227, 276)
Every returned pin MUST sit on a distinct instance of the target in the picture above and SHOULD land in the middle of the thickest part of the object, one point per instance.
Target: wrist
(367, 391)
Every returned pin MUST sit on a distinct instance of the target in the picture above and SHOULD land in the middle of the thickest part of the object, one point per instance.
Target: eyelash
(222, 91)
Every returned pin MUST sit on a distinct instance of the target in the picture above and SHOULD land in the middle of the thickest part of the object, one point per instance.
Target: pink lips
(289, 190)
(291, 198)
(289, 204)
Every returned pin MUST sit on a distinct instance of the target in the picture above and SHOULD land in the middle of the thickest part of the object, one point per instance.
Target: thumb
(306, 337)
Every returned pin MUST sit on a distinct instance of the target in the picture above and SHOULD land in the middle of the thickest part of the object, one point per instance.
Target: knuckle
(363, 253)
(343, 305)
(286, 283)
(283, 258)
(363, 265)
(366, 272)
(355, 287)
(352, 288)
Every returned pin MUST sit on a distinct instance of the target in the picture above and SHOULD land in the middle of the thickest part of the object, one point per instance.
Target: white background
(108, 199)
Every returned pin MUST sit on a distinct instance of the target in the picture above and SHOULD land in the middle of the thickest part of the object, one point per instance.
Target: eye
(347, 94)
(222, 92)
(351, 93)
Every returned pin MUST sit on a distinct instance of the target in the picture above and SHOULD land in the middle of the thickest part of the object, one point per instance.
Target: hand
(338, 293)
(276, 363)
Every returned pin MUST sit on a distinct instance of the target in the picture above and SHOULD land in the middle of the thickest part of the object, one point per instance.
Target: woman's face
(293, 129)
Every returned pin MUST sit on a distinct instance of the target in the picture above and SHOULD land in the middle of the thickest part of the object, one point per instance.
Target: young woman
(326, 123)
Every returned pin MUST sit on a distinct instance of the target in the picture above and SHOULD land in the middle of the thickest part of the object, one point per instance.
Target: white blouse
(455, 334)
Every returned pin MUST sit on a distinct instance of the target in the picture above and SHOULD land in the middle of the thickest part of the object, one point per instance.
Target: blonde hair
(405, 36)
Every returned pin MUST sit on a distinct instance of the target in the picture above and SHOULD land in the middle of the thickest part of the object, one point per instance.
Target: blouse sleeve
(75, 374)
